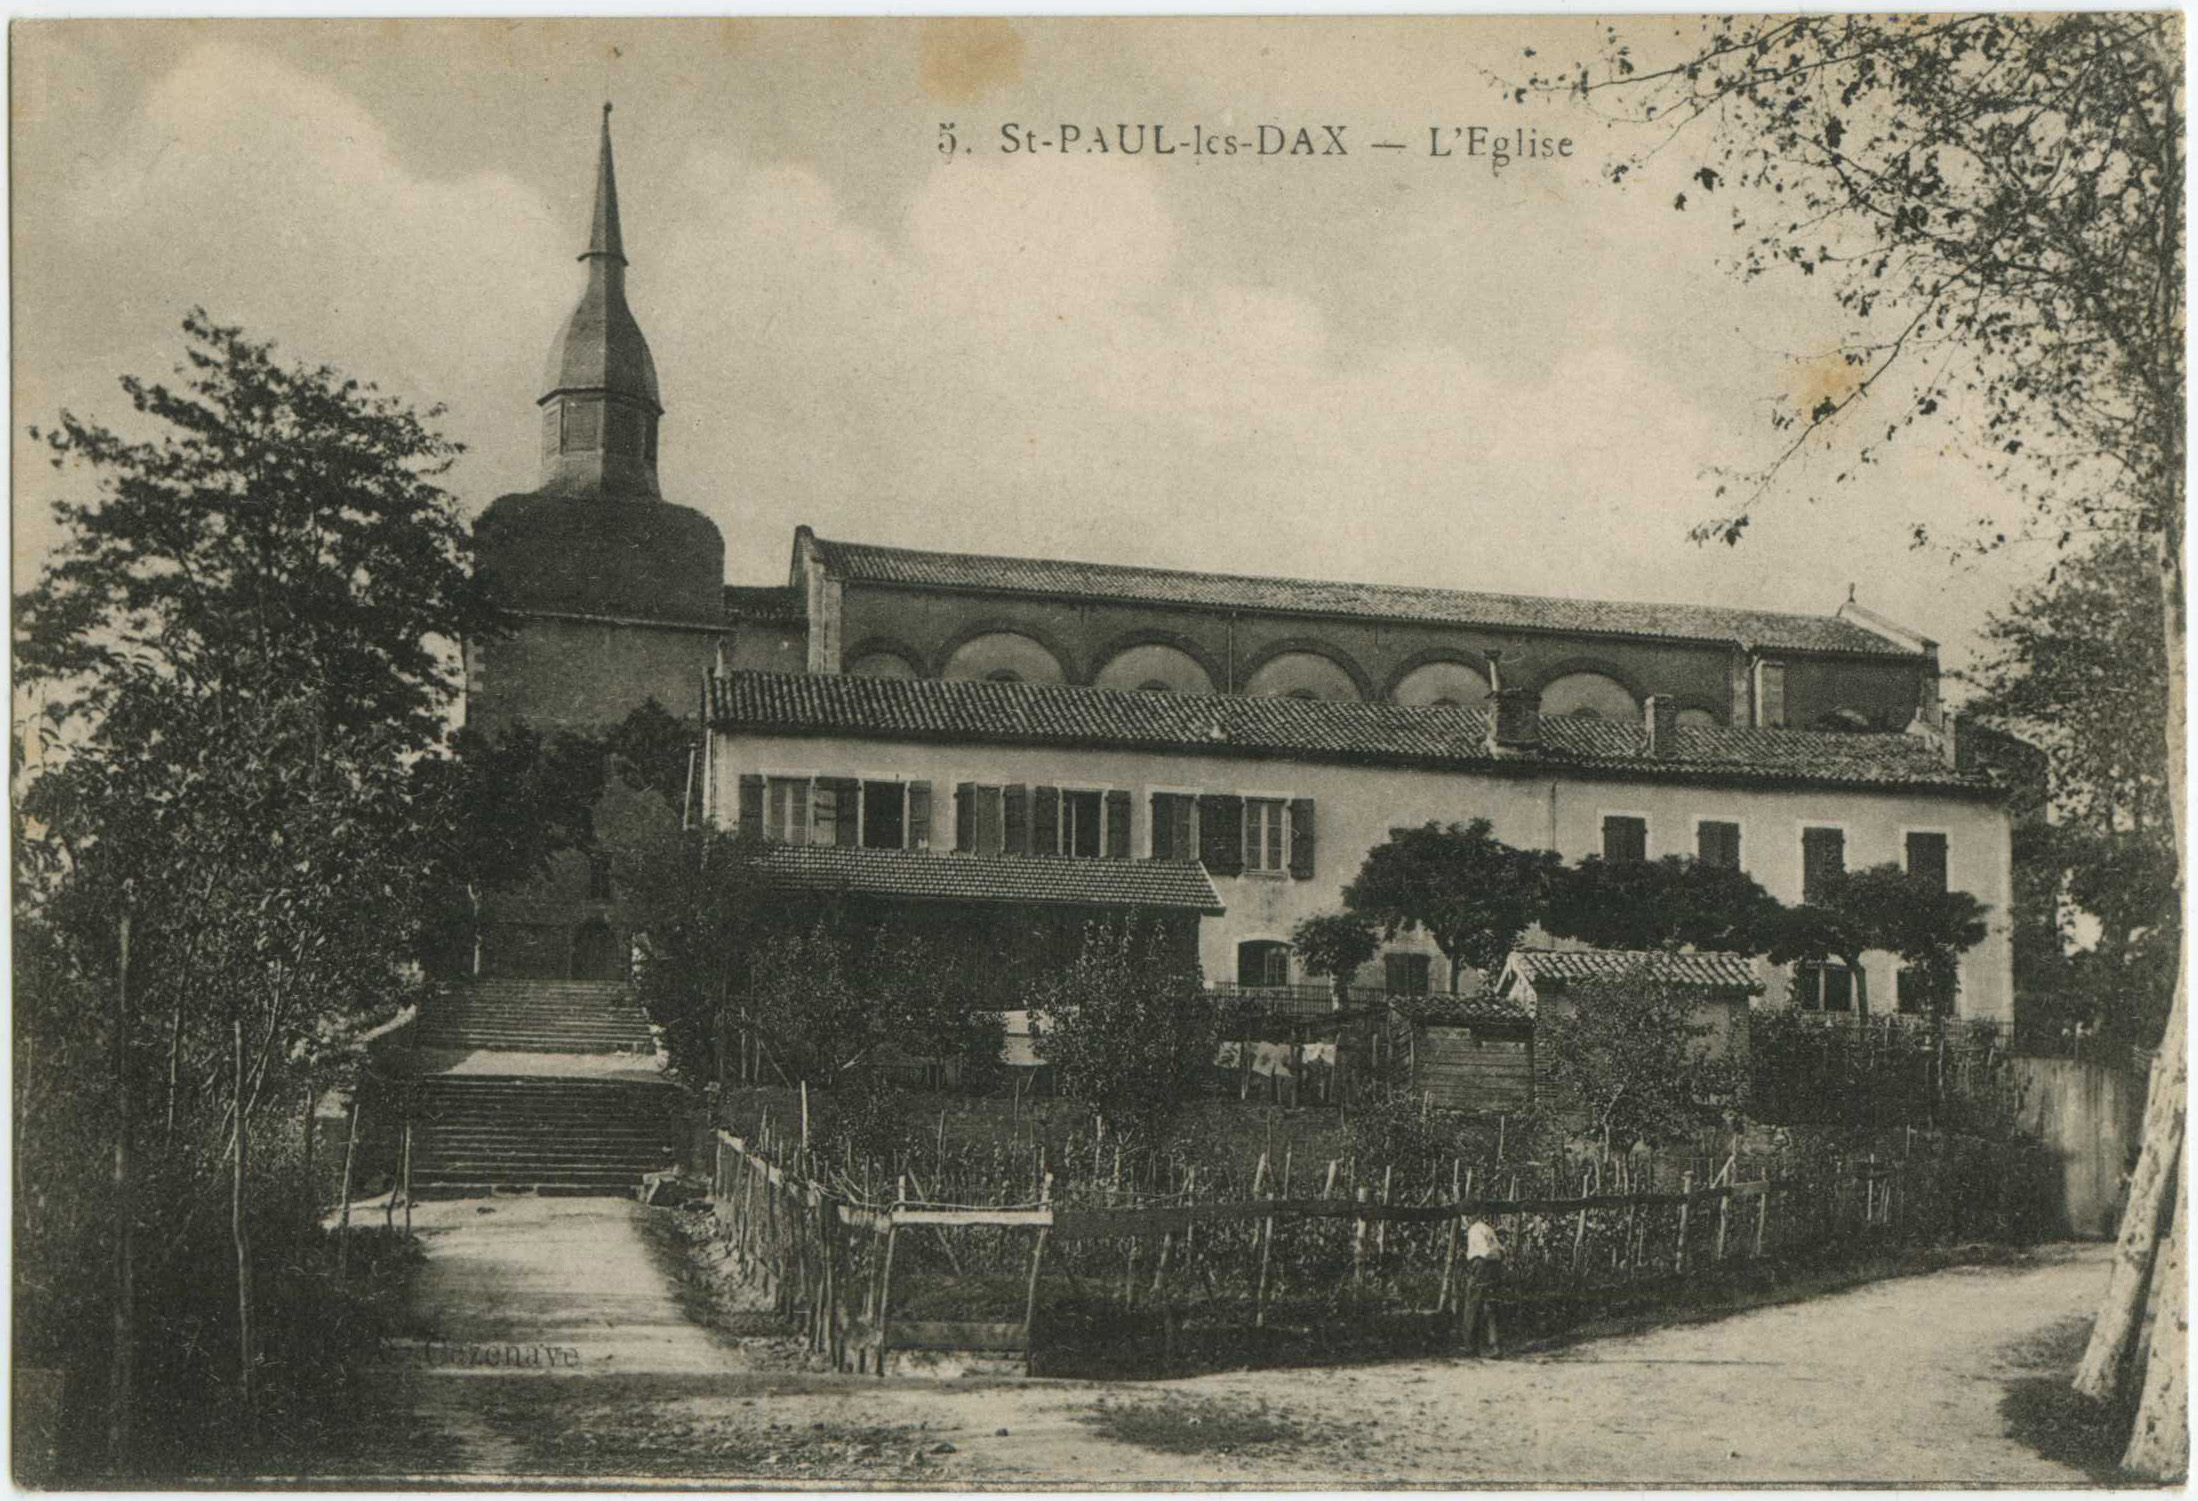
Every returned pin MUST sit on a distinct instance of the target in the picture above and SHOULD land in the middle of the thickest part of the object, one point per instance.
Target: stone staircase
(477, 1134)
(555, 1093)
(537, 1016)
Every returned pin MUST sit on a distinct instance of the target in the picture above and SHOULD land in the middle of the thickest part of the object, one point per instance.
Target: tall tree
(241, 647)
(1470, 892)
(1676, 901)
(1997, 202)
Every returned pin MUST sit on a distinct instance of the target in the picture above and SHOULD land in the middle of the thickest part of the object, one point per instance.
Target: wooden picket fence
(866, 1280)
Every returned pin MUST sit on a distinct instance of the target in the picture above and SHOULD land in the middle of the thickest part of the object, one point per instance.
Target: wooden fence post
(343, 1233)
(1763, 1214)
(1358, 1244)
(1686, 1203)
(1030, 1297)
(1579, 1229)
(1381, 1230)
(885, 1283)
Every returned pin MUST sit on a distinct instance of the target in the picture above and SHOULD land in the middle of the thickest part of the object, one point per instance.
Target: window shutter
(1163, 826)
(1823, 853)
(1301, 838)
(1770, 695)
(1625, 838)
(1045, 821)
(846, 794)
(797, 815)
(1719, 844)
(1118, 825)
(1015, 817)
(1221, 834)
(919, 816)
(751, 805)
(1927, 858)
(965, 816)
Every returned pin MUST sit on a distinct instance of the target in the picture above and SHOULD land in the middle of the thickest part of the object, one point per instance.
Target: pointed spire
(603, 236)
(600, 394)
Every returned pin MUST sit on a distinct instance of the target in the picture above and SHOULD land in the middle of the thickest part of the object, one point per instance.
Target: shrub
(1130, 1028)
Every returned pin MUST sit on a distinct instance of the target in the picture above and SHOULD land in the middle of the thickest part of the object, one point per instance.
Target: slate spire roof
(601, 350)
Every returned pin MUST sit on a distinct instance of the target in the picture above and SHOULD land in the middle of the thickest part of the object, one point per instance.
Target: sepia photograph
(1114, 753)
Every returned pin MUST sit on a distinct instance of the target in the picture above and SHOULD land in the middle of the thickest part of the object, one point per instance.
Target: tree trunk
(2151, 1191)
(2159, 1447)
(175, 1065)
(242, 1239)
(121, 1375)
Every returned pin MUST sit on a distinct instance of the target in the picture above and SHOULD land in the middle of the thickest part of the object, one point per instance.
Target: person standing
(1483, 1270)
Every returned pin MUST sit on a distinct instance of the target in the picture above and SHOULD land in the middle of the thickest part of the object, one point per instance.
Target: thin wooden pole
(241, 1235)
(408, 1177)
(1266, 1249)
(1686, 1203)
(1030, 1297)
(121, 1403)
(343, 1233)
(1450, 1239)
(1381, 1230)
(885, 1287)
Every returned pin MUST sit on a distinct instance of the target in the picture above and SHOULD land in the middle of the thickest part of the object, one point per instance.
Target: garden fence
(868, 1279)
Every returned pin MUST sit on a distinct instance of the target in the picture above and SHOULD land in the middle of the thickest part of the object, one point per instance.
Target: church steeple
(600, 410)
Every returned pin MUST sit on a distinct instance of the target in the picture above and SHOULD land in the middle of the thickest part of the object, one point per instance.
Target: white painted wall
(1358, 805)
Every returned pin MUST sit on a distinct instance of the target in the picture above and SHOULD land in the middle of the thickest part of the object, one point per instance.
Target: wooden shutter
(1927, 858)
(1163, 826)
(1045, 821)
(1625, 838)
(1221, 834)
(1823, 853)
(1118, 825)
(1015, 818)
(1718, 844)
(965, 816)
(1770, 695)
(846, 798)
(751, 805)
(1301, 838)
(919, 817)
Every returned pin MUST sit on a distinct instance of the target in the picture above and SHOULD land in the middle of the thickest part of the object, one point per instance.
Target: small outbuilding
(1548, 982)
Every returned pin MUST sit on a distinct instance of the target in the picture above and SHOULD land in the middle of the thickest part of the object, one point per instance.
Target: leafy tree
(1335, 944)
(1997, 202)
(1630, 1049)
(1473, 894)
(1677, 901)
(2077, 670)
(651, 748)
(1130, 1028)
(1885, 909)
(694, 898)
(241, 653)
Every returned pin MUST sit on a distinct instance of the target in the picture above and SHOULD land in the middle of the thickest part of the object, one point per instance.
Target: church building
(1028, 742)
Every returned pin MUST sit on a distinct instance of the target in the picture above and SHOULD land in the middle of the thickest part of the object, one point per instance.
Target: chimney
(1514, 714)
(1661, 718)
(1950, 738)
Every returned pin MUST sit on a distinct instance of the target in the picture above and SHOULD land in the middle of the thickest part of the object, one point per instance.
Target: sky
(1384, 366)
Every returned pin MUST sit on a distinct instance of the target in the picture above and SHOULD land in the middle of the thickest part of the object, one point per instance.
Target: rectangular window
(1918, 995)
(1625, 838)
(1770, 695)
(991, 821)
(1080, 817)
(826, 808)
(1405, 974)
(1262, 962)
(786, 810)
(1718, 844)
(1823, 854)
(1174, 830)
(884, 824)
(1927, 858)
(1824, 987)
(1263, 833)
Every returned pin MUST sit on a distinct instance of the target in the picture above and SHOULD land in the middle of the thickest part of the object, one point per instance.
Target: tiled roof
(1460, 1011)
(1231, 591)
(1309, 730)
(1712, 971)
(778, 602)
(1045, 880)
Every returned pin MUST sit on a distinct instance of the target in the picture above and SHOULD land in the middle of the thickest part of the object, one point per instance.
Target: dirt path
(1895, 1383)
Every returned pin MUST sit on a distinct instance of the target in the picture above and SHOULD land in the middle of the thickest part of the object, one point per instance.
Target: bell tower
(600, 408)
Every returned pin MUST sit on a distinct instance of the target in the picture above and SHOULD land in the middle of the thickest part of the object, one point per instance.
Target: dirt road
(563, 1349)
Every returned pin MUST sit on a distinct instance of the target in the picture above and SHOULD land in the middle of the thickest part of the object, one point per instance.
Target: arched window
(1154, 685)
(1304, 693)
(1263, 962)
(1003, 675)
